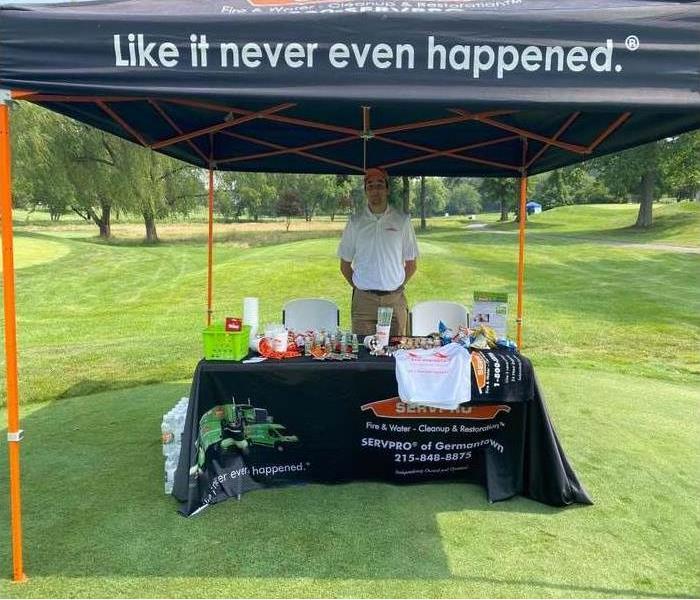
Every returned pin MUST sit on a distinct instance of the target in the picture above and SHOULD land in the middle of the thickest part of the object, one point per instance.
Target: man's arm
(346, 270)
(410, 267)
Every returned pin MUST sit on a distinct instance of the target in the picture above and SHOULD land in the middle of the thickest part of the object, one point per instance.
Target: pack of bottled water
(171, 434)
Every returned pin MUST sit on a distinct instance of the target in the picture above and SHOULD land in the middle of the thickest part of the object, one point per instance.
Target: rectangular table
(299, 420)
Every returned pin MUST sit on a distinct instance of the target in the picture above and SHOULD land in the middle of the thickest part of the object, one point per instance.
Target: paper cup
(279, 340)
(383, 335)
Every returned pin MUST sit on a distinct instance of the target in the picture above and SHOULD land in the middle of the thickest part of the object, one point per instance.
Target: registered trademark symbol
(632, 42)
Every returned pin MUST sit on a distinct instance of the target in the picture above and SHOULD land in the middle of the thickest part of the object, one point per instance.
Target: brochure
(490, 308)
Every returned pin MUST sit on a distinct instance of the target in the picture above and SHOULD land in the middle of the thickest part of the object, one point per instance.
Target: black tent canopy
(420, 87)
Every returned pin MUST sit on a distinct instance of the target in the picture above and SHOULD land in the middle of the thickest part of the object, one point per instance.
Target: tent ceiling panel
(432, 88)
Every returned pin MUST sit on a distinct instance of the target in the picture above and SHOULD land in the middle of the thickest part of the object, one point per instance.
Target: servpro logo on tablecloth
(394, 408)
(387, 5)
(479, 369)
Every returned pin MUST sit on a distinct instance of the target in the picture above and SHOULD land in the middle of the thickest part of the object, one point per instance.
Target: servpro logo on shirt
(394, 408)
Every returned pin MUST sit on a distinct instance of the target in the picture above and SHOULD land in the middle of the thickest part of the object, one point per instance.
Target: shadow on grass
(94, 507)
(88, 387)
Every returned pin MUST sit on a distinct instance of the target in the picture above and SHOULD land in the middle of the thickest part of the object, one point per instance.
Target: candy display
(276, 342)
(415, 342)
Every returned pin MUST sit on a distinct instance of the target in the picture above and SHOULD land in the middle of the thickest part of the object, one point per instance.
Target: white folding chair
(426, 316)
(311, 313)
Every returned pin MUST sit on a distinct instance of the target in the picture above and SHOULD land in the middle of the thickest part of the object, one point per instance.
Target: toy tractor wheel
(279, 447)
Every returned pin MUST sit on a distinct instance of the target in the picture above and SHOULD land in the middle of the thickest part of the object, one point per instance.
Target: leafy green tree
(288, 206)
(406, 195)
(94, 166)
(634, 173)
(158, 185)
(432, 197)
(337, 199)
(254, 193)
(503, 192)
(396, 192)
(680, 166)
(257, 193)
(39, 160)
(64, 165)
(463, 198)
(311, 191)
(357, 193)
(227, 201)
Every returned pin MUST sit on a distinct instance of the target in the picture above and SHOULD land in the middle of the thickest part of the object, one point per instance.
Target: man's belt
(382, 292)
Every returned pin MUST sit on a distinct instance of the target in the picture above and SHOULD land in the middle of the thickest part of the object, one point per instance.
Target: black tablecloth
(309, 421)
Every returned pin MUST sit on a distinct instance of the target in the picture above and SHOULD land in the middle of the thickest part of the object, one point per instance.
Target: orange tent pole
(14, 433)
(210, 244)
(521, 258)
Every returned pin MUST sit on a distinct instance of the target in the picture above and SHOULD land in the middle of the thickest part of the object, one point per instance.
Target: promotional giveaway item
(439, 377)
(277, 337)
(384, 314)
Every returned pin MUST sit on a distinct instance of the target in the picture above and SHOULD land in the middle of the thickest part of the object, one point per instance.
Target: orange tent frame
(239, 116)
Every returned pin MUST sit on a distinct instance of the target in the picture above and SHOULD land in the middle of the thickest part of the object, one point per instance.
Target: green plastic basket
(220, 344)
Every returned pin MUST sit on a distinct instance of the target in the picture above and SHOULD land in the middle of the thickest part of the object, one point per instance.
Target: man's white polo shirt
(377, 246)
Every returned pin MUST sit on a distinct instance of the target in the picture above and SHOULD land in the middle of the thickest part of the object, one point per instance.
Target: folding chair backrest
(426, 316)
(311, 313)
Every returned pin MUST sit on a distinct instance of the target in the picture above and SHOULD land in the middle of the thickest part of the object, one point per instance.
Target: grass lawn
(109, 335)
(614, 222)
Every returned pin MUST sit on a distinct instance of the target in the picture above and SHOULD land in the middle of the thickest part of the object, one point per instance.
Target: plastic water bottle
(171, 428)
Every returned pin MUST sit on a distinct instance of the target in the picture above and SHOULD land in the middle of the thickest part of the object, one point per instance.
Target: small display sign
(233, 323)
(490, 308)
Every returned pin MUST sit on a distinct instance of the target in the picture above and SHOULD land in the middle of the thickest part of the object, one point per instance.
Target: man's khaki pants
(364, 312)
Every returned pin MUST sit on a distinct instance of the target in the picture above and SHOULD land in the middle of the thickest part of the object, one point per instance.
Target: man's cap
(375, 173)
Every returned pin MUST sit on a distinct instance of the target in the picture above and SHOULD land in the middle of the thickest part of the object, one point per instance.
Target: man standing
(378, 253)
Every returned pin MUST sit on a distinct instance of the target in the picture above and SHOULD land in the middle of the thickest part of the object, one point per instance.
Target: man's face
(377, 194)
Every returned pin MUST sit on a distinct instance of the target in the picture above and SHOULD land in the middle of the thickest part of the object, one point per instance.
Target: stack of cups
(251, 317)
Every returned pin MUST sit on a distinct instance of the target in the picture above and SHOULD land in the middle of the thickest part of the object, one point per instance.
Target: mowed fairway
(110, 333)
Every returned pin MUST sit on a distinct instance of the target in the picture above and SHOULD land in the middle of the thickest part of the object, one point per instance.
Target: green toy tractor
(239, 426)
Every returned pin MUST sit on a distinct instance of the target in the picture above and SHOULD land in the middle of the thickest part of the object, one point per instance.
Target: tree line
(65, 167)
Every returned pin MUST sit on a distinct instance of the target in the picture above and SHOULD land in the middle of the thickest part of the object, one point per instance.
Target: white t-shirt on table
(438, 377)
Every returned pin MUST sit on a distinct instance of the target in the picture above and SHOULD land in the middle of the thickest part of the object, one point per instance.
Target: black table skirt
(334, 422)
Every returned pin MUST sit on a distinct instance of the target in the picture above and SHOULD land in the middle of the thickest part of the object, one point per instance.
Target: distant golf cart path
(484, 228)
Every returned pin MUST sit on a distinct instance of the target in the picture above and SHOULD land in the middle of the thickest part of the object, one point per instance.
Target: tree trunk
(504, 210)
(422, 203)
(332, 217)
(647, 200)
(150, 222)
(406, 194)
(105, 223)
